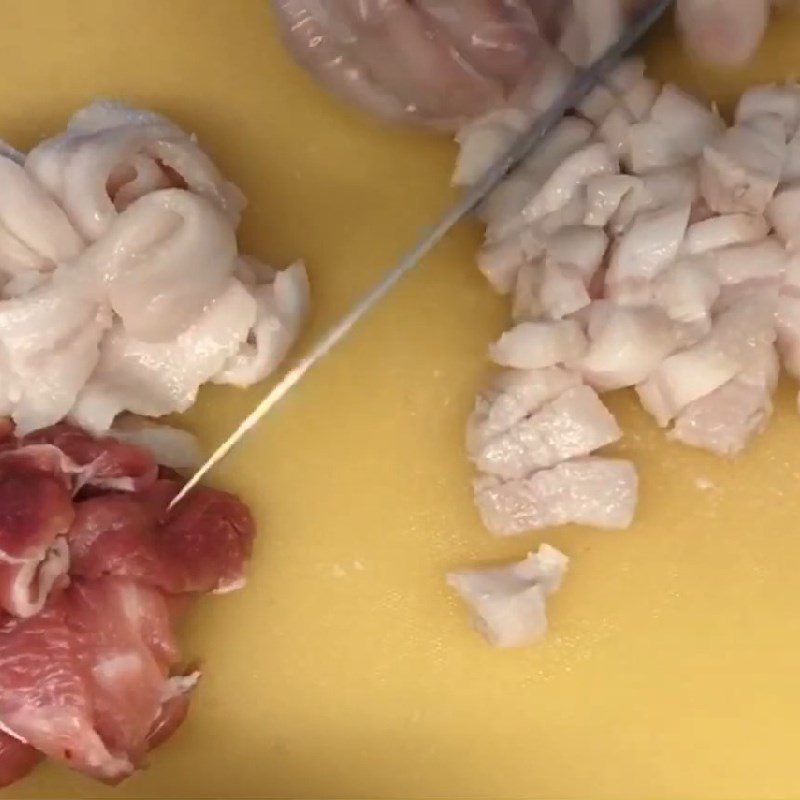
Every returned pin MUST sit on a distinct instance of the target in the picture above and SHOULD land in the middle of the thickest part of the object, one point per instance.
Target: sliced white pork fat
(118, 260)
(533, 345)
(572, 425)
(593, 491)
(100, 152)
(157, 378)
(509, 603)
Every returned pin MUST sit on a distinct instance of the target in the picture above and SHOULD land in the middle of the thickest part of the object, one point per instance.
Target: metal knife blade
(582, 83)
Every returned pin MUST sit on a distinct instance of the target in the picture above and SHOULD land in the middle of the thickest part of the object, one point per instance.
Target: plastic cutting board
(346, 668)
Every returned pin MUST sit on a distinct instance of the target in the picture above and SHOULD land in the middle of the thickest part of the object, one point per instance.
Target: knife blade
(582, 83)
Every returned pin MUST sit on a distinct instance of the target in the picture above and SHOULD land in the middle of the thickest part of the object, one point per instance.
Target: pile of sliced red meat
(93, 571)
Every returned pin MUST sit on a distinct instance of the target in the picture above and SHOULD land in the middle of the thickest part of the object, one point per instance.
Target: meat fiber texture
(644, 244)
(121, 284)
(94, 571)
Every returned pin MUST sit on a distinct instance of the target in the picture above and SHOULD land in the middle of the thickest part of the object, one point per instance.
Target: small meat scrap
(509, 603)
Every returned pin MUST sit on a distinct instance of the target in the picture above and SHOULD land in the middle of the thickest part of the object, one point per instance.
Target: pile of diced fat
(644, 244)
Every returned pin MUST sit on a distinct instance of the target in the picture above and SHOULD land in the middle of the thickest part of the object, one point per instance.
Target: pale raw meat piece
(625, 345)
(509, 603)
(725, 420)
(563, 290)
(648, 247)
(614, 131)
(626, 75)
(526, 303)
(500, 262)
(570, 426)
(512, 396)
(282, 307)
(688, 290)
(656, 189)
(741, 341)
(50, 339)
(772, 99)
(534, 345)
(640, 98)
(783, 214)
(604, 194)
(726, 33)
(579, 246)
(741, 170)
(676, 131)
(598, 103)
(505, 204)
(77, 166)
(791, 166)
(157, 378)
(684, 378)
(163, 261)
(568, 179)
(597, 492)
(596, 24)
(723, 231)
(483, 141)
(568, 216)
(35, 234)
(762, 263)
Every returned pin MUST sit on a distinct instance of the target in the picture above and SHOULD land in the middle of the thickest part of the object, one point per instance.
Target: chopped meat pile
(121, 284)
(644, 244)
(93, 572)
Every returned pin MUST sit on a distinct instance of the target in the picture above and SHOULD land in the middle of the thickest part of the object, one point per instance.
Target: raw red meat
(35, 512)
(94, 582)
(16, 759)
(44, 695)
(108, 462)
(200, 546)
(85, 680)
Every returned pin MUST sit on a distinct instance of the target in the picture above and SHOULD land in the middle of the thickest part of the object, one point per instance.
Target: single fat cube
(508, 603)
(572, 425)
(741, 170)
(593, 491)
(535, 345)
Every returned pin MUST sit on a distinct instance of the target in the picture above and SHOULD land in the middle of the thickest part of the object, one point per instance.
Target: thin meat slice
(86, 681)
(572, 425)
(597, 492)
(121, 630)
(508, 602)
(44, 693)
(17, 759)
(200, 546)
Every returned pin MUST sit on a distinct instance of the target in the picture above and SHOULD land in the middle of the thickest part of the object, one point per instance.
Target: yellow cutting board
(346, 668)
